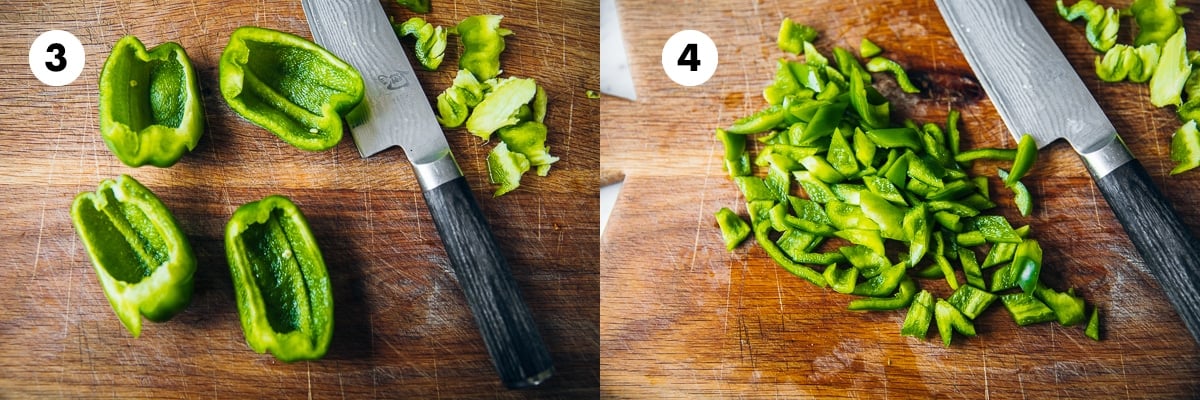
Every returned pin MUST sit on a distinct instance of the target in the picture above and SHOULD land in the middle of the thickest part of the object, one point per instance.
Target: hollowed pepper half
(279, 278)
(142, 259)
(290, 86)
(150, 106)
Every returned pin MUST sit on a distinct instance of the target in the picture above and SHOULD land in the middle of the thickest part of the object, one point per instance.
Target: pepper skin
(430, 43)
(279, 278)
(142, 259)
(483, 41)
(150, 106)
(289, 86)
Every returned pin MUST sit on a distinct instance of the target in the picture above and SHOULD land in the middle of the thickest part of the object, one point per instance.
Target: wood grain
(402, 327)
(682, 317)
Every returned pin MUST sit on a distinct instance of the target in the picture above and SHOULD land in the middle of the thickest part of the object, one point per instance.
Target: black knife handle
(1165, 243)
(507, 326)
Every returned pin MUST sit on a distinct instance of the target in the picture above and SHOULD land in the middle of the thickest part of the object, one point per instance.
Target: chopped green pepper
(949, 320)
(417, 6)
(430, 41)
(905, 291)
(733, 229)
(142, 259)
(971, 301)
(895, 137)
(880, 64)
(483, 41)
(1156, 21)
(505, 168)
(841, 280)
(279, 278)
(773, 250)
(918, 231)
(1067, 307)
(868, 263)
(986, 153)
(1172, 71)
(501, 106)
(1185, 148)
(1102, 24)
(1127, 62)
(292, 87)
(970, 267)
(920, 315)
(1093, 326)
(1027, 265)
(737, 160)
(761, 121)
(456, 102)
(1025, 309)
(1026, 156)
(792, 36)
(1021, 196)
(150, 106)
(529, 138)
(995, 229)
(868, 49)
(884, 284)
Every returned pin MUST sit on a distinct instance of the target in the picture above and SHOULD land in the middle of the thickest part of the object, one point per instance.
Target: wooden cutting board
(683, 317)
(402, 328)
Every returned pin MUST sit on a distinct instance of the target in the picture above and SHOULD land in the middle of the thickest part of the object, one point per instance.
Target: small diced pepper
(841, 280)
(734, 230)
(1025, 309)
(920, 315)
(868, 49)
(905, 291)
(950, 320)
(971, 301)
(792, 36)
(1068, 308)
(1093, 326)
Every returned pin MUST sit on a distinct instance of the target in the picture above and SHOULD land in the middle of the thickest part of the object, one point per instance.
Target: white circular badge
(689, 57)
(56, 58)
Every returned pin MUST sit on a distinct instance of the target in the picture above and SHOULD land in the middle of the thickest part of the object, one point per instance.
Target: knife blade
(1036, 91)
(399, 114)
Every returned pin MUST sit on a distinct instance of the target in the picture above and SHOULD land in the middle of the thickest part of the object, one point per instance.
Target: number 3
(60, 63)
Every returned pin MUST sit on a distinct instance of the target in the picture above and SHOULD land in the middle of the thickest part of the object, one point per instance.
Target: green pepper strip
(292, 87)
(920, 315)
(150, 106)
(918, 231)
(970, 239)
(868, 263)
(761, 234)
(971, 301)
(870, 105)
(995, 229)
(869, 238)
(1093, 326)
(761, 121)
(1021, 196)
(841, 156)
(1068, 308)
(952, 128)
(890, 218)
(971, 269)
(1025, 309)
(483, 41)
(1185, 148)
(839, 279)
(733, 229)
(1026, 156)
(906, 289)
(950, 319)
(430, 41)
(881, 64)
(986, 154)
(279, 278)
(142, 259)
(895, 137)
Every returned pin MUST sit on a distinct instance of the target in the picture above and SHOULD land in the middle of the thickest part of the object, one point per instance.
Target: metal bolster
(1102, 161)
(434, 173)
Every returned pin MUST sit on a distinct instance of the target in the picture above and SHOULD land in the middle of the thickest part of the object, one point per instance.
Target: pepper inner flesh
(290, 82)
(278, 273)
(134, 245)
(154, 95)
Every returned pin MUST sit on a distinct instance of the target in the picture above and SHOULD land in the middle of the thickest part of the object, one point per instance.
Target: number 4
(690, 57)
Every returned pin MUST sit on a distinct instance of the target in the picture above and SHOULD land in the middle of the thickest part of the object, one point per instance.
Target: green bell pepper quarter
(279, 278)
(483, 41)
(150, 106)
(290, 86)
(142, 259)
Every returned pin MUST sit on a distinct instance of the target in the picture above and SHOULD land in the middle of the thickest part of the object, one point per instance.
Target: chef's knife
(399, 114)
(1036, 91)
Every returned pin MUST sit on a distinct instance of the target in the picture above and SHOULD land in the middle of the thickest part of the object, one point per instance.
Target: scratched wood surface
(682, 317)
(402, 328)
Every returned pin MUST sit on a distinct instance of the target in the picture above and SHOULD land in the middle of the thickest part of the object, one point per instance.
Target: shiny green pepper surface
(142, 259)
(290, 86)
(150, 106)
(279, 278)
(483, 41)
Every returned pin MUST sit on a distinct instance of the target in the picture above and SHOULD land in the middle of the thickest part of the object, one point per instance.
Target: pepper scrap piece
(150, 106)
(455, 103)
(279, 278)
(1172, 71)
(529, 138)
(793, 36)
(483, 41)
(290, 86)
(920, 314)
(430, 41)
(1025, 309)
(734, 230)
(1185, 148)
(141, 257)
(501, 106)
(1021, 196)
(881, 64)
(505, 168)
(949, 320)
(417, 6)
(1127, 62)
(1102, 23)
(1093, 326)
